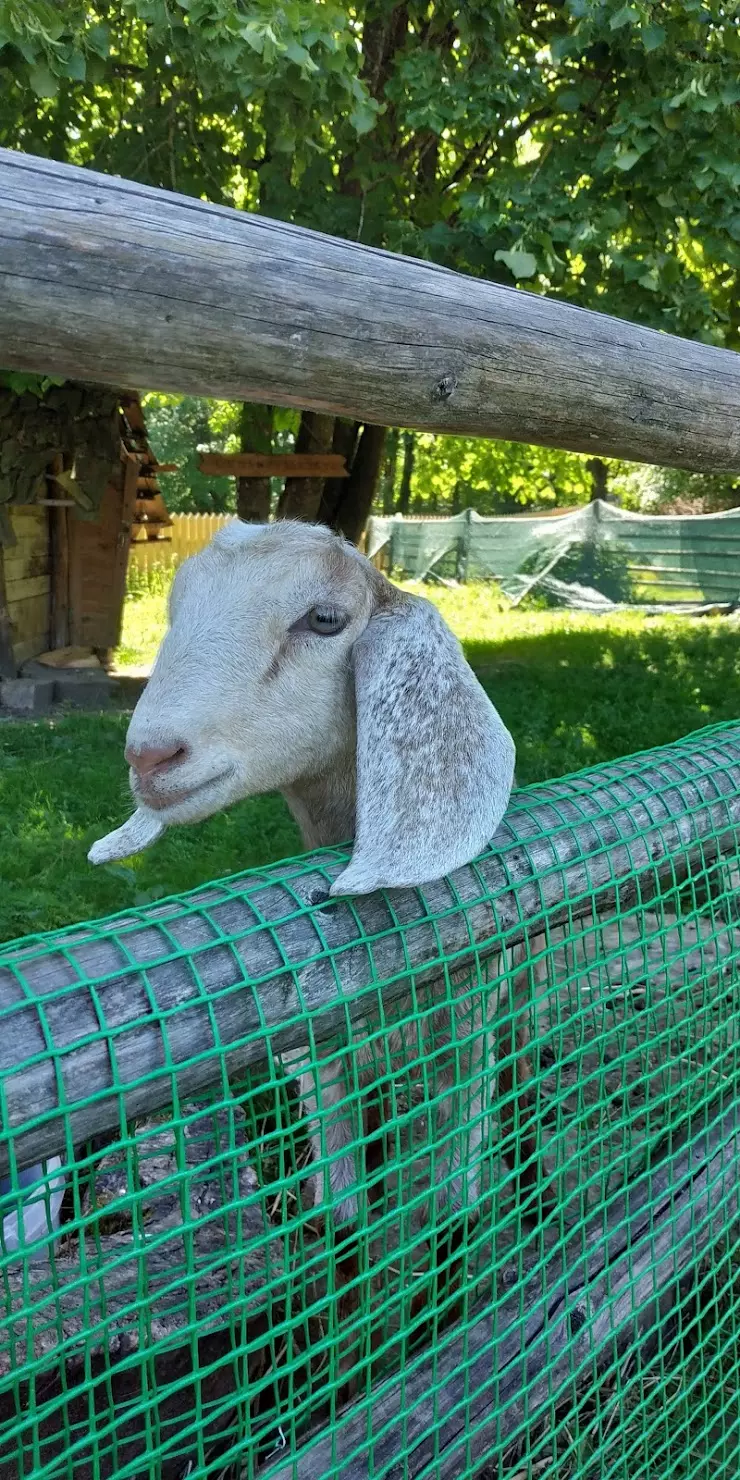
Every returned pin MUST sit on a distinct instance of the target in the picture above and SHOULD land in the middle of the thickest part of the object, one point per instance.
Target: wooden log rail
(101, 1023)
(221, 303)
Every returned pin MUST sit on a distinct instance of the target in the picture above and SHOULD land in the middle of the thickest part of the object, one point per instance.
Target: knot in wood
(318, 897)
(443, 389)
(577, 1319)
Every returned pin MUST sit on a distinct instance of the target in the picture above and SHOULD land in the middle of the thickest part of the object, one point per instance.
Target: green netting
(594, 558)
(524, 1078)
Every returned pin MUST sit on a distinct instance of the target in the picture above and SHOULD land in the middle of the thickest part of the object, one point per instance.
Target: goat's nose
(146, 759)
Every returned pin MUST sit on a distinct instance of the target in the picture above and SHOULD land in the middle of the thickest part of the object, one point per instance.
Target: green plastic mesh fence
(442, 1183)
(593, 558)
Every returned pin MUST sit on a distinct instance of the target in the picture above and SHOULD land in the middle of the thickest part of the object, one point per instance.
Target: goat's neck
(324, 805)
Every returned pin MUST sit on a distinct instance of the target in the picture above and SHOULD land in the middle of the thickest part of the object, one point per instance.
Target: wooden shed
(77, 480)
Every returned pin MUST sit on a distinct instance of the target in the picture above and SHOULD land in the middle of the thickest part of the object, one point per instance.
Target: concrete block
(32, 669)
(83, 689)
(27, 696)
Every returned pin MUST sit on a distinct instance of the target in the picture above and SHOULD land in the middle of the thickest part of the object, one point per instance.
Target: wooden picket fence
(190, 532)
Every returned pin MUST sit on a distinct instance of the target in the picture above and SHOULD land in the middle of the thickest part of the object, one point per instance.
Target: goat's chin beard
(147, 824)
(154, 814)
(203, 801)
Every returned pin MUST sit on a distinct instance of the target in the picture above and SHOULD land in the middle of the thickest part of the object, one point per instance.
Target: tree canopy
(585, 148)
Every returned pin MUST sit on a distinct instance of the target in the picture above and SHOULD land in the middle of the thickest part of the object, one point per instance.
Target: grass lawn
(573, 689)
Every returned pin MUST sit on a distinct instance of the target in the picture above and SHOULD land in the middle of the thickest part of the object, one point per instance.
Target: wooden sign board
(273, 465)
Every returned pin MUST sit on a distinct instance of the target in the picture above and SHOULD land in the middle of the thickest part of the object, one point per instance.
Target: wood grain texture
(25, 588)
(59, 531)
(600, 1293)
(28, 522)
(234, 306)
(98, 557)
(7, 659)
(102, 1022)
(29, 580)
(273, 465)
(27, 557)
(30, 618)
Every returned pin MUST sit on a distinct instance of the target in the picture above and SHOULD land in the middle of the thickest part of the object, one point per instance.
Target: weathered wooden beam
(273, 464)
(595, 1296)
(235, 306)
(102, 1022)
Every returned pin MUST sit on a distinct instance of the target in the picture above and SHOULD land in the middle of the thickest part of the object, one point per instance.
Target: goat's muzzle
(150, 760)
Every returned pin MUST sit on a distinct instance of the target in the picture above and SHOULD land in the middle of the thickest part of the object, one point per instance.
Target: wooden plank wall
(97, 568)
(28, 580)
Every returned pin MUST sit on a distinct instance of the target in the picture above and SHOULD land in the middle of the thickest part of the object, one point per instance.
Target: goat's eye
(325, 621)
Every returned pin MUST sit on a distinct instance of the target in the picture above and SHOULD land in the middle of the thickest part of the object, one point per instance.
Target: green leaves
(521, 264)
(43, 81)
(627, 15)
(364, 116)
(652, 36)
(20, 382)
(494, 477)
(254, 35)
(624, 159)
(46, 43)
(302, 58)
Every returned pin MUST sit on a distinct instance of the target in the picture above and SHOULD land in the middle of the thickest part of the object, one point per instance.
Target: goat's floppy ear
(435, 763)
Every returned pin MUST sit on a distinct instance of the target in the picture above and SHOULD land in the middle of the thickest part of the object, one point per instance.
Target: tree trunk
(384, 33)
(389, 470)
(598, 470)
(253, 495)
(255, 435)
(342, 502)
(344, 442)
(301, 497)
(404, 492)
(359, 488)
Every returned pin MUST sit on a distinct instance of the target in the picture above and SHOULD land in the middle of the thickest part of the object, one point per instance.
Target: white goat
(291, 663)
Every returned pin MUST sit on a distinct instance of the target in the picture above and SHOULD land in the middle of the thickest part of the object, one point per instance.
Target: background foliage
(181, 427)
